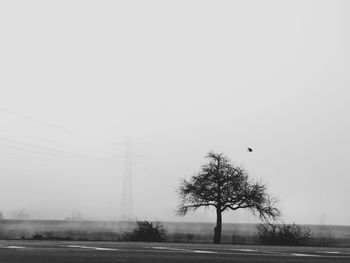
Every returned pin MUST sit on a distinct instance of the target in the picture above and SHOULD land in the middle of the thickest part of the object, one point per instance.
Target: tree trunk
(218, 228)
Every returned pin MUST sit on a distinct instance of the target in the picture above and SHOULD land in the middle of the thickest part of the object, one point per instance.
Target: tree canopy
(225, 187)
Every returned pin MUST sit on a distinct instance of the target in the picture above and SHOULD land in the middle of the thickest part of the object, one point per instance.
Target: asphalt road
(57, 251)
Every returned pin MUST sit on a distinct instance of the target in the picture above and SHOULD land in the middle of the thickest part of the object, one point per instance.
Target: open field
(76, 251)
(177, 232)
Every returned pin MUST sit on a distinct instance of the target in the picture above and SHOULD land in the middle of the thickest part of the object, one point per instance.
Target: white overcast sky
(180, 78)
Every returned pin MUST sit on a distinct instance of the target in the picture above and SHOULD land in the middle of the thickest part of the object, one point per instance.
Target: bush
(283, 234)
(147, 232)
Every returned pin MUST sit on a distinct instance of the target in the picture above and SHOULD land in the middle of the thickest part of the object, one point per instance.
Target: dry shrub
(147, 232)
(283, 234)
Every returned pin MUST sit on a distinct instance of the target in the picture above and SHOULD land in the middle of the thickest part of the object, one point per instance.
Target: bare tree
(221, 185)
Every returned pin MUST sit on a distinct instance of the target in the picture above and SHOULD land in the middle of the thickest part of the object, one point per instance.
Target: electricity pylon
(127, 195)
(127, 202)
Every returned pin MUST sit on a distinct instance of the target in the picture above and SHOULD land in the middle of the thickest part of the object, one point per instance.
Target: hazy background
(179, 78)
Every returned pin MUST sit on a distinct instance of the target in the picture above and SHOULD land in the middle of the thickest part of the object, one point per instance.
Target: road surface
(74, 251)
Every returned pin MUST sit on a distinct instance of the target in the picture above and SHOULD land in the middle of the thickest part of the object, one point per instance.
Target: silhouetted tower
(127, 195)
(127, 206)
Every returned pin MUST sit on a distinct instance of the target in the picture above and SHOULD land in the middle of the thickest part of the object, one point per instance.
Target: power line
(43, 150)
(16, 152)
(30, 145)
(36, 120)
(51, 125)
(39, 149)
(7, 153)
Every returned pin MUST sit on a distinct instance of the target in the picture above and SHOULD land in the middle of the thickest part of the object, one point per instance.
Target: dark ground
(73, 251)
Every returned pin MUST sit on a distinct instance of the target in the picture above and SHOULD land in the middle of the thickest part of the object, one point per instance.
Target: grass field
(177, 232)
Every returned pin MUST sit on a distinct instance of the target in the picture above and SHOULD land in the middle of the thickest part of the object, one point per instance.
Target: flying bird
(250, 149)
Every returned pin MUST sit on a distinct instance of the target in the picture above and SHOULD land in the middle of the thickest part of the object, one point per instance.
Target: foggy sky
(179, 78)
